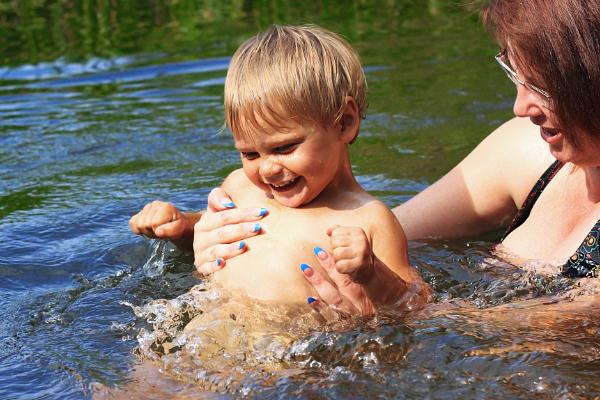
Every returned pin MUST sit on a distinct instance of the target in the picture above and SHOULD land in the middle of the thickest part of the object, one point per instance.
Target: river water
(105, 106)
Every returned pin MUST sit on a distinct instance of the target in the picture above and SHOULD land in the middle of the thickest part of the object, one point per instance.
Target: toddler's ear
(350, 122)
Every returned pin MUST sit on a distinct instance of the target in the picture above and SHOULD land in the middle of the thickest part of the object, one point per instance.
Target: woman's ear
(350, 121)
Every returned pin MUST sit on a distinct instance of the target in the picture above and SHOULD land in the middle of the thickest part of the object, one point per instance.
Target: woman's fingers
(328, 313)
(328, 263)
(218, 251)
(219, 234)
(211, 266)
(346, 287)
(214, 220)
(215, 257)
(224, 242)
(225, 234)
(326, 291)
(218, 200)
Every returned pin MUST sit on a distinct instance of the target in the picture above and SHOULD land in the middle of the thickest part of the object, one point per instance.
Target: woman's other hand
(344, 296)
(219, 234)
(377, 287)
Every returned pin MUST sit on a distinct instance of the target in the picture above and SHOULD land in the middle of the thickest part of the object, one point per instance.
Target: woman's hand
(344, 296)
(361, 282)
(219, 234)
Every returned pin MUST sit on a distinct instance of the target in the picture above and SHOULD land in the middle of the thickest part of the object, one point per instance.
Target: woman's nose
(527, 103)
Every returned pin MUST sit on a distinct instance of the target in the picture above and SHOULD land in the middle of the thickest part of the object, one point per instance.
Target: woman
(545, 190)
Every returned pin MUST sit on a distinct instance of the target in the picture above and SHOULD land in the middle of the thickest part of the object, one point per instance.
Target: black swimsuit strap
(586, 260)
(532, 197)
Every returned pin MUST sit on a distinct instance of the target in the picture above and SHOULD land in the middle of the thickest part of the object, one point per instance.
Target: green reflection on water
(25, 199)
(36, 31)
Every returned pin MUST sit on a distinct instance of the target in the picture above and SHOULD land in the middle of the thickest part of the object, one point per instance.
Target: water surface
(105, 106)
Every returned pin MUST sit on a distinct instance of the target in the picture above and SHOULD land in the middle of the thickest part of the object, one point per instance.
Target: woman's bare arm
(484, 191)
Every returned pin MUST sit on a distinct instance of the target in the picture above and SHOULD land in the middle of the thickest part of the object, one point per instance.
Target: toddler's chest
(270, 267)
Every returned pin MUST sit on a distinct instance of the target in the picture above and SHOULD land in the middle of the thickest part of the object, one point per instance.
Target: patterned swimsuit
(586, 260)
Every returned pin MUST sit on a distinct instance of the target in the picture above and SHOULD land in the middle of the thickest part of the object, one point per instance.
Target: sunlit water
(88, 309)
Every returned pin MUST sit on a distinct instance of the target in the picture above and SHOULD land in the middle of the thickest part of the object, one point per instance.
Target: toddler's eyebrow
(240, 147)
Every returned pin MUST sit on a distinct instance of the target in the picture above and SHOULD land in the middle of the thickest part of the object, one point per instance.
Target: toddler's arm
(160, 220)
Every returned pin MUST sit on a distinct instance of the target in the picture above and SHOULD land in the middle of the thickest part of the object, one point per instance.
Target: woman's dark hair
(557, 43)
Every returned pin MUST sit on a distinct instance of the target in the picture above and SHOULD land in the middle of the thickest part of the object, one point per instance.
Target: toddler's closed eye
(288, 148)
(249, 155)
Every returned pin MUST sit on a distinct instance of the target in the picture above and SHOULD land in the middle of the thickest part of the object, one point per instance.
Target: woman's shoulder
(517, 153)
(519, 138)
(516, 134)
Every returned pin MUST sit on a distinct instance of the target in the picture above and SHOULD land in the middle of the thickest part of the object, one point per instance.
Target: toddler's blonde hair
(292, 73)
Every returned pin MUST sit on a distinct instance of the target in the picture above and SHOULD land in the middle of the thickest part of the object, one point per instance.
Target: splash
(218, 342)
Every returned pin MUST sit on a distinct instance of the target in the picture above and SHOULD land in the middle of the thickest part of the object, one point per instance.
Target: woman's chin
(566, 154)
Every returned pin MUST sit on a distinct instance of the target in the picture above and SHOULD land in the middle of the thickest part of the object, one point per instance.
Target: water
(106, 106)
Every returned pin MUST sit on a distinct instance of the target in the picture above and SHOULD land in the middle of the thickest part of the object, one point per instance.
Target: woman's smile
(550, 135)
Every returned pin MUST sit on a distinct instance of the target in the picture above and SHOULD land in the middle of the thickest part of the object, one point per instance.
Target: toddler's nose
(270, 169)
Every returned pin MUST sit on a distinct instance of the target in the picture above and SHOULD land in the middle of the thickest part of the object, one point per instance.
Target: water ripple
(136, 74)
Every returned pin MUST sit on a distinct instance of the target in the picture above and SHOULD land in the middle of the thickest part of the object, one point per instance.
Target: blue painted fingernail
(310, 300)
(317, 251)
(228, 204)
(218, 262)
(242, 244)
(262, 212)
(304, 267)
(256, 228)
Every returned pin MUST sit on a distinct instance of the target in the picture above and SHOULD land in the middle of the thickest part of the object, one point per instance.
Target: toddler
(294, 100)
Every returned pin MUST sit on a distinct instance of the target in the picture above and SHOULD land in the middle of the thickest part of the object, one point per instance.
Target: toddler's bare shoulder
(241, 190)
(375, 212)
(235, 181)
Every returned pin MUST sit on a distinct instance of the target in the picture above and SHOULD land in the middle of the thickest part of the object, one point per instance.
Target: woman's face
(529, 104)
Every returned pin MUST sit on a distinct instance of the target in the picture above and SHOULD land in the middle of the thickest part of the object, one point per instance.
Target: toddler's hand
(159, 220)
(352, 252)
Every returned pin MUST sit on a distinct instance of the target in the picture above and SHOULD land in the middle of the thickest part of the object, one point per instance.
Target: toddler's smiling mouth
(285, 185)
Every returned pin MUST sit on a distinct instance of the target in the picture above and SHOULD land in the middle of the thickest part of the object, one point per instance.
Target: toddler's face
(293, 165)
